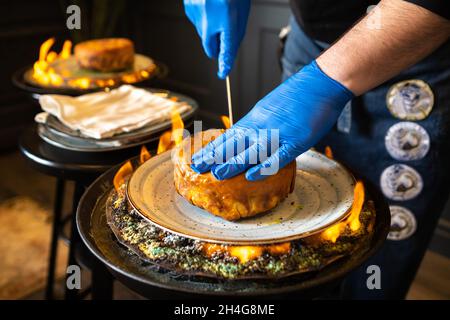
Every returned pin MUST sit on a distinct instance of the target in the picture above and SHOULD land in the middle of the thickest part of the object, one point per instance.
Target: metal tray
(57, 134)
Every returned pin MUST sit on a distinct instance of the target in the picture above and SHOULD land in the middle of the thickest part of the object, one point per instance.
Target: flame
(144, 155)
(130, 78)
(358, 202)
(246, 253)
(226, 121)
(333, 232)
(279, 249)
(329, 152)
(210, 248)
(174, 137)
(51, 56)
(42, 71)
(83, 83)
(177, 127)
(121, 175)
(44, 49)
(66, 49)
(165, 142)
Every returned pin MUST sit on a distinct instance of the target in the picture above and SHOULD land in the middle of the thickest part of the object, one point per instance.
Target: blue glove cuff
(338, 90)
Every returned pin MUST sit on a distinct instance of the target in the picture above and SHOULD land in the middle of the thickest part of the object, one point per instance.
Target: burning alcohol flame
(42, 71)
(144, 155)
(174, 137)
(125, 171)
(329, 152)
(45, 48)
(177, 127)
(246, 253)
(66, 50)
(45, 74)
(358, 202)
(333, 232)
(165, 142)
(226, 122)
(83, 83)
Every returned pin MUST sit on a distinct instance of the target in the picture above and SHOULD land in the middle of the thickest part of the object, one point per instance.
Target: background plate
(71, 71)
(323, 195)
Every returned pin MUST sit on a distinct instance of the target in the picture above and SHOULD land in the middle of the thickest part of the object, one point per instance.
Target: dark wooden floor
(432, 281)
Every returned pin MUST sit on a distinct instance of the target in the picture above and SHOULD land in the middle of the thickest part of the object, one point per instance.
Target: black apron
(397, 137)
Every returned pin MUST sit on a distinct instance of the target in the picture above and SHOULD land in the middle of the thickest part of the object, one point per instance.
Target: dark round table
(82, 168)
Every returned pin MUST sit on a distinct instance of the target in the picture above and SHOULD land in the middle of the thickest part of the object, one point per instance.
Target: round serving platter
(323, 195)
(57, 134)
(19, 79)
(70, 70)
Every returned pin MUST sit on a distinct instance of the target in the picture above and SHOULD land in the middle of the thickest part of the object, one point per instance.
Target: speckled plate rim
(297, 236)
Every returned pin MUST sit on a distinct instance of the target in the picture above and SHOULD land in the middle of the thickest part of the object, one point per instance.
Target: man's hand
(221, 26)
(302, 110)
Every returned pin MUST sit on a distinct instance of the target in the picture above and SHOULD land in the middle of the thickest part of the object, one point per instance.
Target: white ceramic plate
(323, 195)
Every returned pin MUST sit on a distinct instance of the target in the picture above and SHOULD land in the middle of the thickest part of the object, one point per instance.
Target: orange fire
(177, 127)
(122, 174)
(333, 232)
(226, 122)
(329, 152)
(246, 253)
(66, 50)
(126, 170)
(45, 74)
(144, 155)
(165, 142)
(42, 71)
(174, 137)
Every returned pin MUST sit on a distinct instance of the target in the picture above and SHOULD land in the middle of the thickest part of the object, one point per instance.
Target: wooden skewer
(230, 106)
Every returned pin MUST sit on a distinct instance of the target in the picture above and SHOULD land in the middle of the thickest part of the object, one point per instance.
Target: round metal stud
(401, 182)
(407, 141)
(403, 223)
(410, 100)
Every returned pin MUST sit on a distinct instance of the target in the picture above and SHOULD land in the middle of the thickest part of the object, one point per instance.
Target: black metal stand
(71, 294)
(56, 227)
(82, 168)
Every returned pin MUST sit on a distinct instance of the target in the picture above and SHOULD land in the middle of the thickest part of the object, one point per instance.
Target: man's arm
(306, 106)
(393, 36)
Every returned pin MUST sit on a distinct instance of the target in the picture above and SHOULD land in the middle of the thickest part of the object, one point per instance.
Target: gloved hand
(221, 26)
(303, 108)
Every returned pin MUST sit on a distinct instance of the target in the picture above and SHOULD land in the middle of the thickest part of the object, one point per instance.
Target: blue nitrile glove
(221, 25)
(304, 108)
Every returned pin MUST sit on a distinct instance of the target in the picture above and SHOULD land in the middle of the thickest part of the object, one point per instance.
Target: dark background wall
(24, 25)
(160, 30)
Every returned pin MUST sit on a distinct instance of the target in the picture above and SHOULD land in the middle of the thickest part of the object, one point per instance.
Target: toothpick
(230, 107)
